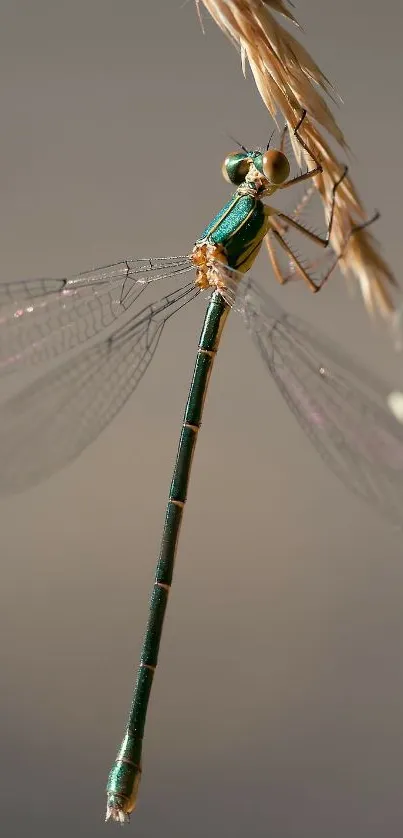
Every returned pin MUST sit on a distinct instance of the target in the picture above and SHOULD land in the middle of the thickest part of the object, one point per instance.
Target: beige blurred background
(277, 707)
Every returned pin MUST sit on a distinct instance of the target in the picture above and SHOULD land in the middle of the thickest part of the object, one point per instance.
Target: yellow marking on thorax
(250, 253)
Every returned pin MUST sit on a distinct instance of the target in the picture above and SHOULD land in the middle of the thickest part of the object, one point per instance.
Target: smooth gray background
(277, 707)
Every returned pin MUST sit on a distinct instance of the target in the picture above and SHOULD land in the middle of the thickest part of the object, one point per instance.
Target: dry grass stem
(289, 81)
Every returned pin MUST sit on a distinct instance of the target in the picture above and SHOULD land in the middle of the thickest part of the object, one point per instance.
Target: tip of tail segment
(117, 815)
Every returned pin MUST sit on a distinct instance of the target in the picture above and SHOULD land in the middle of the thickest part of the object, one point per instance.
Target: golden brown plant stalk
(289, 81)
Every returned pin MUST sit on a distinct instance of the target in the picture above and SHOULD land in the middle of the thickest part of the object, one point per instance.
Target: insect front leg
(278, 272)
(280, 228)
(313, 172)
(322, 241)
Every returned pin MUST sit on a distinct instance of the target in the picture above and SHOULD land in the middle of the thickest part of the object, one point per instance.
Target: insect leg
(323, 241)
(318, 168)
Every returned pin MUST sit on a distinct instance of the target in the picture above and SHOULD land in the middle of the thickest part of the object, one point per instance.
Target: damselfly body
(96, 342)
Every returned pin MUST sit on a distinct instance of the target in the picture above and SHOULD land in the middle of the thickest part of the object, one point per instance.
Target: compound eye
(276, 167)
(235, 167)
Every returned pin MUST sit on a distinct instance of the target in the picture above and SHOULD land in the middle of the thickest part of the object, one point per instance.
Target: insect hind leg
(356, 229)
(276, 235)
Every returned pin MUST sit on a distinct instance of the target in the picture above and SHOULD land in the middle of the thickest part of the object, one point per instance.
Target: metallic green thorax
(240, 228)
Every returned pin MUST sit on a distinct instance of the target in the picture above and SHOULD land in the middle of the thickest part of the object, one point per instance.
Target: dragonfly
(93, 336)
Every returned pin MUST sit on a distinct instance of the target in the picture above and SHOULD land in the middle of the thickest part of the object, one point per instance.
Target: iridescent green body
(239, 228)
(238, 231)
(125, 775)
(105, 372)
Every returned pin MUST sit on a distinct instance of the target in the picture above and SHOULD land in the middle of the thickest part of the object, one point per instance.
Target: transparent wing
(50, 421)
(340, 405)
(41, 319)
